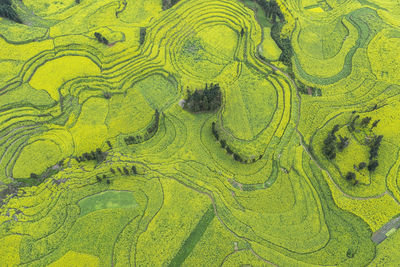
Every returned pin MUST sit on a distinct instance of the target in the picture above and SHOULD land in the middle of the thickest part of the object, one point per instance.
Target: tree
(375, 124)
(352, 123)
(350, 176)
(373, 164)
(34, 176)
(126, 171)
(98, 178)
(7, 11)
(100, 38)
(214, 131)
(112, 170)
(344, 142)
(237, 157)
(142, 35)
(362, 165)
(223, 143)
(242, 32)
(335, 129)
(134, 169)
(374, 146)
(329, 147)
(109, 144)
(107, 95)
(350, 253)
(77, 1)
(365, 121)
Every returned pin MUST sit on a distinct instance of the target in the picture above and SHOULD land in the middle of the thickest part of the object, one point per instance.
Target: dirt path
(381, 234)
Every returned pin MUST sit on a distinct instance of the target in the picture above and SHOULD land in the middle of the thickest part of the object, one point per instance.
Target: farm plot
(117, 173)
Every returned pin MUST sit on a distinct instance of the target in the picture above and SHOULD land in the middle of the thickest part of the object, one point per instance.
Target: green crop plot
(199, 133)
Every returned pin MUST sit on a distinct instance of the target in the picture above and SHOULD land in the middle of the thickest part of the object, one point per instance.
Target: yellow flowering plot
(36, 157)
(9, 250)
(23, 51)
(90, 130)
(213, 246)
(54, 73)
(167, 230)
(75, 259)
(376, 211)
(387, 252)
(128, 113)
(148, 9)
(327, 67)
(382, 53)
(250, 104)
(219, 40)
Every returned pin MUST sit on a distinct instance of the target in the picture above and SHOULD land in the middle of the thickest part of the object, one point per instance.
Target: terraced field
(101, 166)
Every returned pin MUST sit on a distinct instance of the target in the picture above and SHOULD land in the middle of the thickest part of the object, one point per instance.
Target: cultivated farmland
(199, 133)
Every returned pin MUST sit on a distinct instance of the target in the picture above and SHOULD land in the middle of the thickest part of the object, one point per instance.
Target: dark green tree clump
(271, 9)
(343, 143)
(351, 177)
(208, 99)
(374, 146)
(329, 146)
(8, 12)
(166, 4)
(97, 155)
(100, 38)
(373, 152)
(373, 164)
(142, 35)
(362, 165)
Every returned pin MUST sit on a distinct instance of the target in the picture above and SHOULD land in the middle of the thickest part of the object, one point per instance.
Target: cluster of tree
(125, 170)
(97, 155)
(225, 146)
(373, 144)
(208, 99)
(166, 4)
(329, 147)
(363, 123)
(7, 11)
(100, 38)
(343, 143)
(373, 152)
(77, 1)
(150, 131)
(100, 178)
(142, 35)
(271, 9)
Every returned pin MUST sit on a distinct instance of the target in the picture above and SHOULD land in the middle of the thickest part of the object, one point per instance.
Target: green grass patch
(107, 200)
